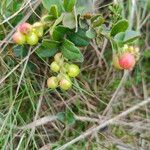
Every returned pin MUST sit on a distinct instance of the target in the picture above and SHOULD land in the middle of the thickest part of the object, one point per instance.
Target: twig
(6, 76)
(16, 13)
(110, 121)
(108, 108)
(39, 122)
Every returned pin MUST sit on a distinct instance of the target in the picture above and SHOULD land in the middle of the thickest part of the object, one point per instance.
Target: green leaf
(91, 33)
(61, 116)
(57, 21)
(120, 26)
(147, 53)
(130, 36)
(71, 52)
(69, 4)
(69, 20)
(48, 20)
(119, 37)
(19, 51)
(126, 37)
(66, 117)
(84, 6)
(97, 20)
(70, 119)
(48, 4)
(48, 48)
(79, 38)
(59, 33)
(54, 11)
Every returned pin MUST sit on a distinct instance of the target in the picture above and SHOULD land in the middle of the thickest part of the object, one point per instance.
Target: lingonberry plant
(66, 27)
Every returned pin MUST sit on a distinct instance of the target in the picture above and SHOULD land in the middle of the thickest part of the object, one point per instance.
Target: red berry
(127, 61)
(25, 28)
(19, 38)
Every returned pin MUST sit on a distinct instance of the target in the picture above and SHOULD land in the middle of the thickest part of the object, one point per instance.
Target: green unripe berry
(54, 66)
(73, 70)
(57, 57)
(32, 38)
(19, 38)
(65, 83)
(38, 29)
(52, 82)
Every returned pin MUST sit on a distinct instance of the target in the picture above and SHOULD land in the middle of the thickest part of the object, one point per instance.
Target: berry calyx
(32, 38)
(65, 83)
(25, 28)
(115, 62)
(73, 70)
(38, 28)
(54, 66)
(52, 82)
(19, 38)
(127, 61)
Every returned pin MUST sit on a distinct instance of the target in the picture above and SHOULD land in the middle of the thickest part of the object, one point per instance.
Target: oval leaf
(48, 4)
(59, 32)
(130, 36)
(48, 48)
(120, 26)
(91, 33)
(69, 4)
(71, 52)
(54, 11)
(79, 38)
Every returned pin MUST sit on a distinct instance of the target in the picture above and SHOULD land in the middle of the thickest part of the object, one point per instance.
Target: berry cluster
(65, 72)
(28, 34)
(127, 59)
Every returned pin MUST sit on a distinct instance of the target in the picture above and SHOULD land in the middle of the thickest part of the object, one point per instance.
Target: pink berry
(19, 38)
(25, 28)
(127, 61)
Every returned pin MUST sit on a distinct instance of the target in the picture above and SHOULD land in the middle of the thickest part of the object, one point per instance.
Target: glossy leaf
(79, 38)
(71, 52)
(127, 36)
(48, 48)
(49, 3)
(54, 11)
(120, 26)
(91, 33)
(69, 4)
(130, 36)
(119, 37)
(97, 20)
(19, 51)
(59, 33)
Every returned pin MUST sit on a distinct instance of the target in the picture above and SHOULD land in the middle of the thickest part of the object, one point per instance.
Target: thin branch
(106, 123)
(124, 78)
